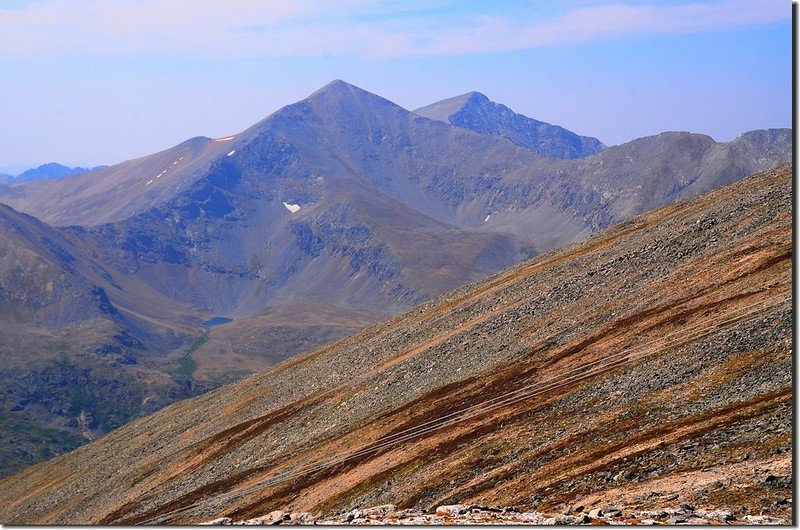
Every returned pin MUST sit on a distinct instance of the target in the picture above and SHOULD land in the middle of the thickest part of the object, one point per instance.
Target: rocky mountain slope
(476, 112)
(329, 215)
(81, 345)
(645, 366)
(46, 278)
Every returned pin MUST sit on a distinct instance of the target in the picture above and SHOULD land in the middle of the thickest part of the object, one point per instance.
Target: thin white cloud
(604, 22)
(211, 29)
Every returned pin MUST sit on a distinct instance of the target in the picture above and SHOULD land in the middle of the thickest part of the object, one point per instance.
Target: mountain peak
(475, 97)
(341, 89)
(344, 101)
(336, 85)
(471, 100)
(476, 112)
(444, 109)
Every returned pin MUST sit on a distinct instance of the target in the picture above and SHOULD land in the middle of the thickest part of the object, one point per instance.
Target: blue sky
(97, 82)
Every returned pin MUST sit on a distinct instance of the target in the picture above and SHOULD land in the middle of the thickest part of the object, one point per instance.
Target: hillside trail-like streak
(555, 382)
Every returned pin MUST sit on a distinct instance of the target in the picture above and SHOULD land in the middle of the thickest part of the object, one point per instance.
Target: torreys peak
(444, 109)
(477, 112)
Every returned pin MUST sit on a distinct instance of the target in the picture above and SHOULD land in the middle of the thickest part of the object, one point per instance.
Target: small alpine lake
(216, 321)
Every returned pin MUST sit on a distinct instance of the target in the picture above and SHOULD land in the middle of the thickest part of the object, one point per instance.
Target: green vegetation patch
(187, 365)
(24, 441)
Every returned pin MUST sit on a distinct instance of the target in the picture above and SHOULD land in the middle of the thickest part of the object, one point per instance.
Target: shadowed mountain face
(476, 112)
(329, 215)
(81, 345)
(647, 358)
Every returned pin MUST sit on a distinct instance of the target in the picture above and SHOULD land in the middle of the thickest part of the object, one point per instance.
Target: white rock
(760, 519)
(271, 518)
(715, 515)
(302, 517)
(381, 510)
(451, 509)
(221, 520)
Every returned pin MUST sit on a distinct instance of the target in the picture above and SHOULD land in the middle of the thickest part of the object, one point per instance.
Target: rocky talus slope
(643, 368)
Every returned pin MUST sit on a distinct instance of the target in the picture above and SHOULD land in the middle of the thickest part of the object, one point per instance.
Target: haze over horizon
(99, 83)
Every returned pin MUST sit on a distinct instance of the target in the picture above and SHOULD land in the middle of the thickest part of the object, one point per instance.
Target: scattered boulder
(302, 518)
(677, 519)
(781, 482)
(482, 508)
(717, 515)
(274, 517)
(220, 521)
(384, 509)
(452, 509)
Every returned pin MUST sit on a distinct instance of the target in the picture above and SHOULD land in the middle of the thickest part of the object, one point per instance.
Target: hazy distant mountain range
(46, 172)
(330, 214)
